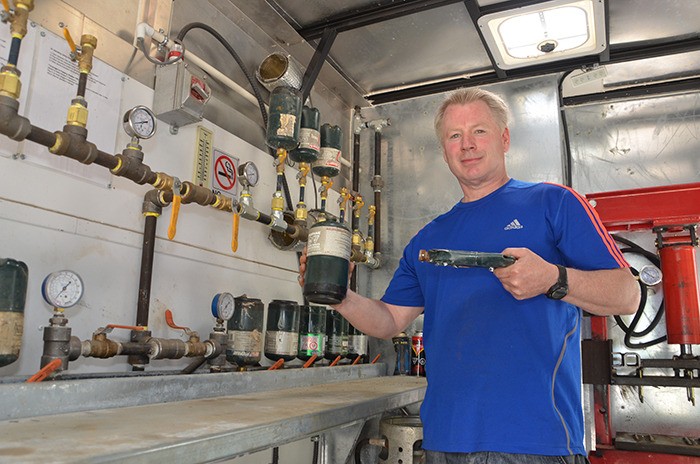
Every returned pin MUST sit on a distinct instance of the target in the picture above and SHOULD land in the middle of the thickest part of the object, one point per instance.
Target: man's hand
(529, 276)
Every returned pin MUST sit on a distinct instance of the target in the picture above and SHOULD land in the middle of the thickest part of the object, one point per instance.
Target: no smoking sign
(225, 177)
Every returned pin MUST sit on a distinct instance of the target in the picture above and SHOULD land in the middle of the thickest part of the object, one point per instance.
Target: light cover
(545, 32)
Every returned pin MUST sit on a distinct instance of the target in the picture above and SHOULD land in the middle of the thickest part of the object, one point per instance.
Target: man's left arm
(603, 292)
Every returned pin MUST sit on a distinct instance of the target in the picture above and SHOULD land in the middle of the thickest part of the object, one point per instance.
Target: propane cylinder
(336, 335)
(682, 302)
(312, 331)
(309, 137)
(245, 330)
(285, 118)
(282, 334)
(357, 343)
(13, 294)
(328, 162)
(328, 260)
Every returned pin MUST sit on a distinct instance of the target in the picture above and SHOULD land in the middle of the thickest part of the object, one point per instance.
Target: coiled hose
(631, 330)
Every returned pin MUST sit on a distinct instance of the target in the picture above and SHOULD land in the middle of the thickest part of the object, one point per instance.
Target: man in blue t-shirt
(503, 345)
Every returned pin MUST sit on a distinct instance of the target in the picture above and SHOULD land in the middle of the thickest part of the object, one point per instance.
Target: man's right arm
(374, 317)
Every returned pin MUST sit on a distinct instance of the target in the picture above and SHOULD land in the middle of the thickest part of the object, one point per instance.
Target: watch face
(559, 292)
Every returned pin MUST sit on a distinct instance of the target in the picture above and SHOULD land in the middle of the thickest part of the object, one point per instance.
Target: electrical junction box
(180, 95)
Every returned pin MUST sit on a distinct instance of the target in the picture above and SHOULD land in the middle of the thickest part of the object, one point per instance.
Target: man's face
(474, 146)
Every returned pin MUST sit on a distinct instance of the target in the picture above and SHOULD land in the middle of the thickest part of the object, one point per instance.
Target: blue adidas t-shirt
(503, 375)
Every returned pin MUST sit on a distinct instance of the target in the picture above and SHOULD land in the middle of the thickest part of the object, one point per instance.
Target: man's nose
(467, 142)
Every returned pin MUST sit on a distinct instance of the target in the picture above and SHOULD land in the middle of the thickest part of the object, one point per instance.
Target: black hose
(251, 81)
(146, 272)
(14, 52)
(275, 455)
(630, 331)
(82, 84)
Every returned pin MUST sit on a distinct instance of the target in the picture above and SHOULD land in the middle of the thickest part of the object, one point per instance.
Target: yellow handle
(69, 39)
(173, 216)
(234, 237)
(6, 5)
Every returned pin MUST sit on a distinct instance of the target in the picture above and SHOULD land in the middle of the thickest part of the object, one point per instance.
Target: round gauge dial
(650, 275)
(62, 289)
(140, 122)
(248, 172)
(222, 306)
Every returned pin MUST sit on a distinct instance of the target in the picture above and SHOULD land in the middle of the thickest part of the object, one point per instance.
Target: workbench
(284, 407)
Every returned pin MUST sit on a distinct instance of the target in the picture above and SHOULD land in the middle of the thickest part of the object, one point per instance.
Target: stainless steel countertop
(204, 429)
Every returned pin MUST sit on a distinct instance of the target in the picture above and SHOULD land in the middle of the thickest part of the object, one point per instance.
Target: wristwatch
(561, 288)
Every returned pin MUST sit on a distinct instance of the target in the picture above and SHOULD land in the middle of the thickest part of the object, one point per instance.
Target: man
(502, 347)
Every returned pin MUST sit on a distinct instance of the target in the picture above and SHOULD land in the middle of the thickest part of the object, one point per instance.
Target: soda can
(417, 355)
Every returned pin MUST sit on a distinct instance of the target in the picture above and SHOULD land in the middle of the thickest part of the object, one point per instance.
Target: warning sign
(224, 170)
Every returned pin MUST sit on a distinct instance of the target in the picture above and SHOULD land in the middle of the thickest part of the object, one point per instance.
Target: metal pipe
(14, 51)
(377, 181)
(146, 272)
(355, 188)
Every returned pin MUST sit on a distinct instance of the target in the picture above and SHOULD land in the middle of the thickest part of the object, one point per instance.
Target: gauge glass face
(140, 122)
(224, 306)
(62, 289)
(249, 173)
(650, 275)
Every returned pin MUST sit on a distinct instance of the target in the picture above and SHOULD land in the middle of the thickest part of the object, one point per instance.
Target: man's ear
(506, 139)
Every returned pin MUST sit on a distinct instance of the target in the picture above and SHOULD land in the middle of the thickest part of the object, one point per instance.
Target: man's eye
(454, 136)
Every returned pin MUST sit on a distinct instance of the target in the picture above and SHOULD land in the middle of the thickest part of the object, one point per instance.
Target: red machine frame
(673, 213)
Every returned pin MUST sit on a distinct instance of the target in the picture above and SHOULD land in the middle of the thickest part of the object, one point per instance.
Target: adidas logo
(514, 224)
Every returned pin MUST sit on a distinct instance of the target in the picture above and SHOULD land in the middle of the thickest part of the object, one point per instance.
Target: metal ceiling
(392, 50)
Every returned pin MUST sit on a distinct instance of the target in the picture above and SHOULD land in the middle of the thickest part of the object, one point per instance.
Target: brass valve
(18, 25)
(88, 44)
(10, 84)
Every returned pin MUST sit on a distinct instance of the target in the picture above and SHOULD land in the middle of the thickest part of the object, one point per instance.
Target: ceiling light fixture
(545, 32)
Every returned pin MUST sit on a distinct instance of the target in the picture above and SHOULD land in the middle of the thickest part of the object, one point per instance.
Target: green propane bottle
(312, 332)
(309, 137)
(245, 332)
(328, 260)
(13, 294)
(328, 162)
(285, 118)
(282, 334)
(336, 336)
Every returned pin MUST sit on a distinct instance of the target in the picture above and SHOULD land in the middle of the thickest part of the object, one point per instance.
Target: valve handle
(6, 6)
(234, 236)
(310, 362)
(110, 327)
(174, 213)
(71, 42)
(46, 370)
(279, 161)
(172, 325)
(276, 365)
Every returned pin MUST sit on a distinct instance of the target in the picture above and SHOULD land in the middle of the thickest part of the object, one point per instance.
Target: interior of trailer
(165, 164)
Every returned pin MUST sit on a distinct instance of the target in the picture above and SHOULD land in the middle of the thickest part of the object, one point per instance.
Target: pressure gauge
(650, 275)
(62, 289)
(248, 173)
(222, 306)
(140, 122)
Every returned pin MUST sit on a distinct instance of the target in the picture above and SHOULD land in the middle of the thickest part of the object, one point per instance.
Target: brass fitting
(100, 347)
(223, 203)
(326, 184)
(301, 214)
(77, 113)
(10, 85)
(193, 193)
(277, 202)
(281, 158)
(18, 26)
(163, 181)
(372, 212)
(88, 44)
(303, 172)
